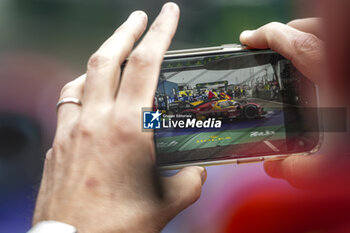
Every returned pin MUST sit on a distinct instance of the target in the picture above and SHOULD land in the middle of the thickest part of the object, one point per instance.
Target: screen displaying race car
(225, 109)
(248, 102)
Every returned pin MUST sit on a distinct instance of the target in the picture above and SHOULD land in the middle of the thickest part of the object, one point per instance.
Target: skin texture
(99, 174)
(303, 48)
(299, 41)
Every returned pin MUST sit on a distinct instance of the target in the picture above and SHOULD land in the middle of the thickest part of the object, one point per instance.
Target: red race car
(226, 109)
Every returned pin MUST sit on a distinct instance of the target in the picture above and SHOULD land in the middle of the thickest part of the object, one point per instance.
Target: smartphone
(230, 104)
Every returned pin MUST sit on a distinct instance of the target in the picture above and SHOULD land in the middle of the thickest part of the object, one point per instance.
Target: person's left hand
(300, 41)
(99, 174)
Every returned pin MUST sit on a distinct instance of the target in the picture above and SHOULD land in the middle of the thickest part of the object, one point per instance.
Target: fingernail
(169, 7)
(204, 175)
(137, 14)
(246, 34)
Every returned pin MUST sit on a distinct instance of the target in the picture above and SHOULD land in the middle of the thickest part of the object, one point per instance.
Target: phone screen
(228, 106)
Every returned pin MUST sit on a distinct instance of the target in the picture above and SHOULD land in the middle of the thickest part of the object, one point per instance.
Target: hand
(299, 41)
(99, 174)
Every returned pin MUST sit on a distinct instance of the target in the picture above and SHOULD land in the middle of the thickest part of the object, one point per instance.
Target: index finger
(142, 70)
(299, 170)
(104, 65)
(308, 25)
(304, 50)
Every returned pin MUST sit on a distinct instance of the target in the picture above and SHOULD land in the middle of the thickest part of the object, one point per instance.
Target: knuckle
(81, 129)
(269, 30)
(292, 22)
(141, 58)
(124, 129)
(273, 25)
(98, 60)
(305, 42)
(125, 32)
(120, 29)
(57, 146)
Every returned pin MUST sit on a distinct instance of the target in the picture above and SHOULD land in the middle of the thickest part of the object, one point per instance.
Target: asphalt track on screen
(238, 131)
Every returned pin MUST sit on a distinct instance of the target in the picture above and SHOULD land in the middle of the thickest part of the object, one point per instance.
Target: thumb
(184, 188)
(304, 50)
(301, 171)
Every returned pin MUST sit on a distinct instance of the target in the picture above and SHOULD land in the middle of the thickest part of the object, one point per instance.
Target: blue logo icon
(151, 120)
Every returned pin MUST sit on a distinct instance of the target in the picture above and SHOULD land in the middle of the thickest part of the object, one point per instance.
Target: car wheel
(250, 111)
(193, 116)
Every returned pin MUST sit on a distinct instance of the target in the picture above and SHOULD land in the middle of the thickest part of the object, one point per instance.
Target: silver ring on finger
(67, 100)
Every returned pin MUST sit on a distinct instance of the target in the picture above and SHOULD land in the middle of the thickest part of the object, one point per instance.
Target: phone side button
(250, 160)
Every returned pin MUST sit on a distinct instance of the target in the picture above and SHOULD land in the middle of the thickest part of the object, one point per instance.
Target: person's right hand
(99, 174)
(300, 41)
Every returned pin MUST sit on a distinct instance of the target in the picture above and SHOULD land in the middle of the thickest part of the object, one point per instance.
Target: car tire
(193, 116)
(250, 111)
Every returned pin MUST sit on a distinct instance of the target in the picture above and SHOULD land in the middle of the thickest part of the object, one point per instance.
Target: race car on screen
(225, 109)
(180, 106)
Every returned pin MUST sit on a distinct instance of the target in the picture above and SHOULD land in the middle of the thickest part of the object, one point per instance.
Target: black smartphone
(229, 104)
